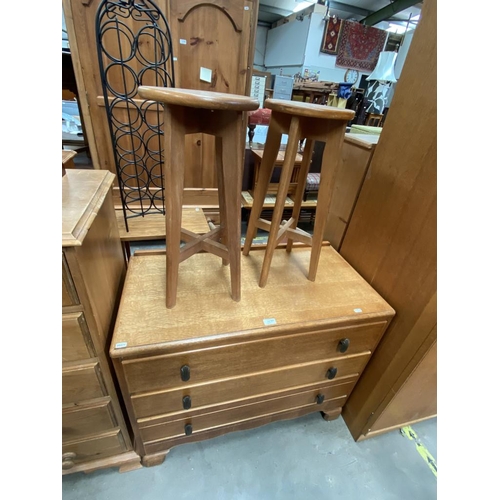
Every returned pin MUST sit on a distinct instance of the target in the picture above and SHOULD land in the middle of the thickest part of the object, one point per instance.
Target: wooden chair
(221, 115)
(298, 120)
(374, 120)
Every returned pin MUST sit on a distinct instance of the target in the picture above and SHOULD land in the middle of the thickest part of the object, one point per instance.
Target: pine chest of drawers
(94, 431)
(211, 365)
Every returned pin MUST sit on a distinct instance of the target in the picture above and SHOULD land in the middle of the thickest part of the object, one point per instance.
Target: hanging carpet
(359, 46)
(331, 36)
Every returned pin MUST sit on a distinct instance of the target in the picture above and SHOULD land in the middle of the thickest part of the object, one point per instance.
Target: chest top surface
(83, 193)
(205, 310)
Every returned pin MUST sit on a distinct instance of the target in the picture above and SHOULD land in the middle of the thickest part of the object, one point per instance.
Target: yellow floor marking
(409, 433)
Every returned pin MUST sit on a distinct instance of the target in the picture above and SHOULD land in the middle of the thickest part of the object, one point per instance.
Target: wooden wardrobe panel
(391, 239)
(417, 399)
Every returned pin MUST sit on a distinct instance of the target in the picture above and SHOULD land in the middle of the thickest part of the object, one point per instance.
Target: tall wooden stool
(221, 115)
(298, 120)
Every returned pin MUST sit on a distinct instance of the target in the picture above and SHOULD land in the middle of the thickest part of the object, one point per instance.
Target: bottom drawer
(191, 424)
(105, 445)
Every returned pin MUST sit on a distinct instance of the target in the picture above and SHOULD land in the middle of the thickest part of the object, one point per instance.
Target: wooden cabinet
(94, 430)
(392, 242)
(357, 153)
(211, 365)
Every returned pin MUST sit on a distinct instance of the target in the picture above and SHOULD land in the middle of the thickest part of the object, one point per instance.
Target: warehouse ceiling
(397, 11)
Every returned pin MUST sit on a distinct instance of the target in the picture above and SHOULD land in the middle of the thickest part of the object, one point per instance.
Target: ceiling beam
(274, 10)
(388, 11)
(349, 8)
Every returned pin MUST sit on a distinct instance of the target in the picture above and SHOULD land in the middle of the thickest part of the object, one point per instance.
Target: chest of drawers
(211, 365)
(94, 430)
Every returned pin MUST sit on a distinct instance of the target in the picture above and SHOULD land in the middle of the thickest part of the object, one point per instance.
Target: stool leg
(286, 174)
(271, 150)
(173, 171)
(301, 186)
(221, 192)
(329, 166)
(232, 178)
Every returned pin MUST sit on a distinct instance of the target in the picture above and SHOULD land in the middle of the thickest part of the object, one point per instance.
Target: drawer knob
(331, 373)
(185, 373)
(67, 464)
(186, 402)
(320, 398)
(344, 345)
(188, 429)
(67, 460)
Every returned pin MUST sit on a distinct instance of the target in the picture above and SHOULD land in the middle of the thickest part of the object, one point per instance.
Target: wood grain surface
(309, 110)
(204, 307)
(83, 192)
(199, 98)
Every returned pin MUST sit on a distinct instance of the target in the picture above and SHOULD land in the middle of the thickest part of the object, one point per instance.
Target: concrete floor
(296, 459)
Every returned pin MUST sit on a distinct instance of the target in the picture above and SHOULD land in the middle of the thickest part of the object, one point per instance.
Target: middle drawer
(235, 389)
(198, 366)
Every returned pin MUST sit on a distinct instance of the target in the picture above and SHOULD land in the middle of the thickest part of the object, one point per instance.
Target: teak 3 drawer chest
(212, 365)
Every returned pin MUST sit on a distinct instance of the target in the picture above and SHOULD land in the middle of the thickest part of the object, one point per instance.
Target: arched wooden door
(214, 41)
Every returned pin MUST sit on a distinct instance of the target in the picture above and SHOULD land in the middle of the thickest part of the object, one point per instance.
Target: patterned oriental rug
(359, 46)
(331, 36)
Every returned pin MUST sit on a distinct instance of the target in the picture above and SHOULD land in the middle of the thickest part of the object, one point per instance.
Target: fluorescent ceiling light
(302, 5)
(396, 28)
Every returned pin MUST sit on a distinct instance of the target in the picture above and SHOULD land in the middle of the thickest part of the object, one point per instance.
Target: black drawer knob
(344, 345)
(331, 373)
(188, 429)
(185, 373)
(320, 398)
(186, 402)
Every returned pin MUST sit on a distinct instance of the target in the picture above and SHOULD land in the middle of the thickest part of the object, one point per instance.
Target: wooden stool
(221, 115)
(298, 120)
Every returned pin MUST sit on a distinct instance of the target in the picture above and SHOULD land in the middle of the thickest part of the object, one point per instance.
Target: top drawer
(69, 295)
(162, 372)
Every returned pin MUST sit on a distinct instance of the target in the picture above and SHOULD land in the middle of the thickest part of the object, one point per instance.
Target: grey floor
(295, 459)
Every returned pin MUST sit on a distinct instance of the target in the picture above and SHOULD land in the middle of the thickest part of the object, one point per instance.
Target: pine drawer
(76, 341)
(82, 381)
(87, 419)
(105, 445)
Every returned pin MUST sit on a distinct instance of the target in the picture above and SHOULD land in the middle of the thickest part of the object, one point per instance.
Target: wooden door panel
(202, 32)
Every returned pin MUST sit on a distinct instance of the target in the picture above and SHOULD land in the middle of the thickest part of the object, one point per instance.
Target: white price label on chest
(269, 321)
(120, 345)
(182, 41)
(358, 310)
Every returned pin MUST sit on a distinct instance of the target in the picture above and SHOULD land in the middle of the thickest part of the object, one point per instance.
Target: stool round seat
(309, 110)
(199, 99)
